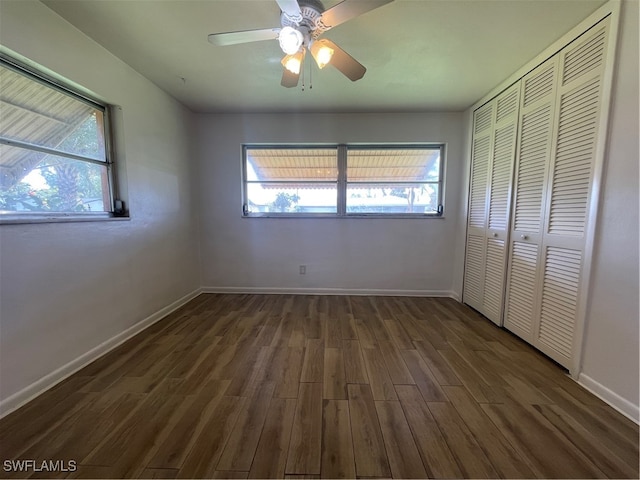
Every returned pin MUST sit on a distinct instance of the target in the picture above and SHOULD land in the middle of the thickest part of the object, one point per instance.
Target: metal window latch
(440, 210)
(245, 209)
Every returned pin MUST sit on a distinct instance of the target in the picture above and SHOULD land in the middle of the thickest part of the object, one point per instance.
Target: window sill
(354, 216)
(11, 219)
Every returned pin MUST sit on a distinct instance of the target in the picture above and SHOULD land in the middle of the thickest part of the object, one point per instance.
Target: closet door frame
(610, 9)
(598, 169)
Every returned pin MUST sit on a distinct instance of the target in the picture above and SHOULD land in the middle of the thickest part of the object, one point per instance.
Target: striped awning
(290, 165)
(275, 167)
(393, 165)
(25, 116)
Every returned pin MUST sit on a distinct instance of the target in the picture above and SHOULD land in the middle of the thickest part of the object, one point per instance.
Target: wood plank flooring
(281, 386)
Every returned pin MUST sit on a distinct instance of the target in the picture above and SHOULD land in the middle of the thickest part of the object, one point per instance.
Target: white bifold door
(537, 152)
(561, 135)
(493, 153)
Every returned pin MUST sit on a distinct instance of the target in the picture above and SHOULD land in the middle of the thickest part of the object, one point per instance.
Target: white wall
(393, 255)
(461, 231)
(66, 288)
(610, 356)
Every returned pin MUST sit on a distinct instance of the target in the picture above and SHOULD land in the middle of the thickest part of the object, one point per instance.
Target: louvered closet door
(537, 106)
(568, 199)
(483, 123)
(500, 183)
(495, 128)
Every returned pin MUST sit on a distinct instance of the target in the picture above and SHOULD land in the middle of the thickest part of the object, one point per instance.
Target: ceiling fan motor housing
(309, 22)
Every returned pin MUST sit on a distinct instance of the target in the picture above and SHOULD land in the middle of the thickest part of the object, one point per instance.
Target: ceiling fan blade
(289, 79)
(348, 9)
(344, 62)
(244, 36)
(290, 7)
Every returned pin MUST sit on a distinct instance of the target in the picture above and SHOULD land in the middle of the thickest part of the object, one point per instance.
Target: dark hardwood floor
(263, 386)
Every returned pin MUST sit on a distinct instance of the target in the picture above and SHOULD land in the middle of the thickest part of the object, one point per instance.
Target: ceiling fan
(302, 23)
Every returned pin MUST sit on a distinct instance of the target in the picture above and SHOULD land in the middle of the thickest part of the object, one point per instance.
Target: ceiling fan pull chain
(310, 76)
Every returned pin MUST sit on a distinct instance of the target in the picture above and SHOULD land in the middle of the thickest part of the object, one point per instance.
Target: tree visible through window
(53, 155)
(394, 180)
(291, 180)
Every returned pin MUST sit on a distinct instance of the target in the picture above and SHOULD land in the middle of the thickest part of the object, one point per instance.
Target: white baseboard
(331, 291)
(622, 405)
(27, 394)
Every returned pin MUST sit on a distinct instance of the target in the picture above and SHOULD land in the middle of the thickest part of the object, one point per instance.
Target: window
(393, 180)
(343, 180)
(54, 155)
(291, 180)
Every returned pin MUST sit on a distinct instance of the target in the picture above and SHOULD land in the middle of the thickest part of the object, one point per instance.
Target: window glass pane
(395, 199)
(288, 198)
(393, 165)
(35, 113)
(36, 182)
(292, 164)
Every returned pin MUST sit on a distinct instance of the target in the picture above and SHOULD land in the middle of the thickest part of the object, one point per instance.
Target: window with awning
(343, 180)
(53, 147)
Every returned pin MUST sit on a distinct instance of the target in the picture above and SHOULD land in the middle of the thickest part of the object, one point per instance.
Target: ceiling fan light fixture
(321, 52)
(290, 40)
(302, 23)
(293, 63)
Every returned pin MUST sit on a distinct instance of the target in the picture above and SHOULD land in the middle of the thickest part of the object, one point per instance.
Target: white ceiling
(421, 55)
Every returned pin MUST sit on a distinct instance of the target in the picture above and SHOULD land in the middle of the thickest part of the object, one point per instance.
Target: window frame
(117, 210)
(246, 182)
(342, 180)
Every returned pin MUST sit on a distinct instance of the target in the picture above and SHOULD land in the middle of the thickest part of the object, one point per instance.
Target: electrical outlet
(303, 269)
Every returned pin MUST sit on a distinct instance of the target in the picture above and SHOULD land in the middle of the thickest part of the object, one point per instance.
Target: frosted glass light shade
(290, 40)
(321, 52)
(292, 63)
